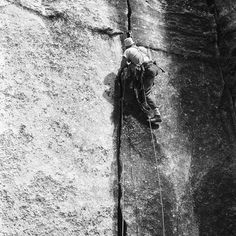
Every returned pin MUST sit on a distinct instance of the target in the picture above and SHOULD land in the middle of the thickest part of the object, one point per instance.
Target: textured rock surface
(58, 169)
(185, 25)
(192, 144)
(56, 134)
(215, 194)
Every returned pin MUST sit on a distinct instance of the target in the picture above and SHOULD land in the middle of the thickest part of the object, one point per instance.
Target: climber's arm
(123, 64)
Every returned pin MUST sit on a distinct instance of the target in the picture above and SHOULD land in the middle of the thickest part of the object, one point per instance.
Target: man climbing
(143, 72)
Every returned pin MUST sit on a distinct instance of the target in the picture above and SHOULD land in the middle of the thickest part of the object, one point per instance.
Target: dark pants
(151, 71)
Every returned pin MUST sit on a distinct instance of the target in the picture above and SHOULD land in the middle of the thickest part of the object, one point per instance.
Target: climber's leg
(151, 70)
(151, 102)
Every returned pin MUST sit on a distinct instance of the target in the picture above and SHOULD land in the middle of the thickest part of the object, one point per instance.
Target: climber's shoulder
(143, 49)
(130, 52)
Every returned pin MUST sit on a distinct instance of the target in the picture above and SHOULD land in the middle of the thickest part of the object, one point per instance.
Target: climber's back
(136, 55)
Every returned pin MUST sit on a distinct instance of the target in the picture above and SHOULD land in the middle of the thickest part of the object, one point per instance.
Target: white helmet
(128, 42)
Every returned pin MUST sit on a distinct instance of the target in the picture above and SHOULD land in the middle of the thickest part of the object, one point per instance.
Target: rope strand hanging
(157, 169)
(159, 180)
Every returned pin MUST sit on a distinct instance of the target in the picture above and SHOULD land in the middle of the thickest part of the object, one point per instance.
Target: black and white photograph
(117, 117)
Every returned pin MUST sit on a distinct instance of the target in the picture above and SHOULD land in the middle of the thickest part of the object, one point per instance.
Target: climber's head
(128, 42)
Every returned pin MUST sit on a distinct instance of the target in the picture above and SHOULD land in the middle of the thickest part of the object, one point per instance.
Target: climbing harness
(139, 89)
(157, 170)
(156, 160)
(137, 93)
(138, 84)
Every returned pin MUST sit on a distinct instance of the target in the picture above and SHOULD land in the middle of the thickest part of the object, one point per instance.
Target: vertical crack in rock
(122, 227)
(119, 171)
(129, 15)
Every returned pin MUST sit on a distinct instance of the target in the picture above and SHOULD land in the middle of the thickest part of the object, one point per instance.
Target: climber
(143, 71)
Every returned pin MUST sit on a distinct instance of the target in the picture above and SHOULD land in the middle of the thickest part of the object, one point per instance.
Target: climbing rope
(122, 85)
(159, 180)
(157, 168)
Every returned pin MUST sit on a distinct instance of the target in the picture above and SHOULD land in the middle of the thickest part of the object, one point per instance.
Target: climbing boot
(155, 118)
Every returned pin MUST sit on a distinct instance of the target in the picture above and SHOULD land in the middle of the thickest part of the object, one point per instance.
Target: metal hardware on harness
(139, 89)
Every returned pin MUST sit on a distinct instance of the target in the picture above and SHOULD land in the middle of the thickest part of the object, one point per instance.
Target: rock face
(192, 143)
(68, 166)
(214, 196)
(56, 134)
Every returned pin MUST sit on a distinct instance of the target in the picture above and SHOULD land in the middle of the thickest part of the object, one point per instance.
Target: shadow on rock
(112, 95)
(130, 128)
(122, 96)
(108, 94)
(215, 202)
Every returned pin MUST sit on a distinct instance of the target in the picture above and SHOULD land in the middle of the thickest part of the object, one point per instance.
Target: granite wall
(68, 166)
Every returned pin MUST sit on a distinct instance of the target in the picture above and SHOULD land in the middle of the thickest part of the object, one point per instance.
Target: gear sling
(142, 89)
